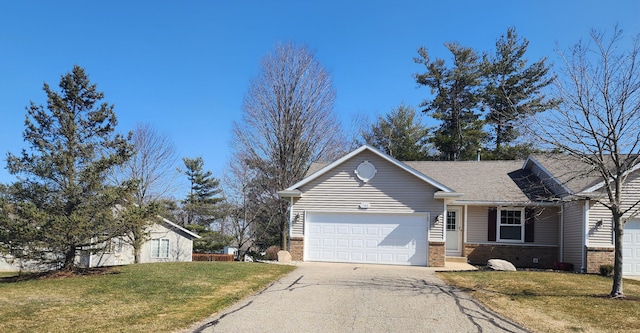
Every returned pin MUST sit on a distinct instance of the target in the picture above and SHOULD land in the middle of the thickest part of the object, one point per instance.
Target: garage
(393, 239)
(631, 248)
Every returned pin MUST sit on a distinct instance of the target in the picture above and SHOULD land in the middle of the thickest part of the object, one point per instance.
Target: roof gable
(175, 226)
(570, 173)
(290, 190)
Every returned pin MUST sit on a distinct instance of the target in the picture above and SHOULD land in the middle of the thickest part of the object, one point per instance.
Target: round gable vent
(365, 171)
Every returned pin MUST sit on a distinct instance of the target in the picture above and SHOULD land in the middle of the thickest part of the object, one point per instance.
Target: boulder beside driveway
(500, 265)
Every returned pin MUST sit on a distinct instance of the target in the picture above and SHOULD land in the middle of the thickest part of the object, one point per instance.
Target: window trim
(499, 224)
(159, 242)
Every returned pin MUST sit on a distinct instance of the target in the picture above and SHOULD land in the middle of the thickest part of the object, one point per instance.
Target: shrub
(272, 252)
(606, 270)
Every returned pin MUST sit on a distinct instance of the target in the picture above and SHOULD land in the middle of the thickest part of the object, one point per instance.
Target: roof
(468, 181)
(288, 192)
(486, 181)
(175, 226)
(513, 181)
(571, 172)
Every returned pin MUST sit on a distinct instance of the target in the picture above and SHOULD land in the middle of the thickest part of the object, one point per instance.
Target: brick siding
(519, 256)
(597, 256)
(436, 254)
(296, 248)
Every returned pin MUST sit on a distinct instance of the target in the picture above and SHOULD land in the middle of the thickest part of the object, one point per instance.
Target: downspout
(561, 259)
(585, 221)
(290, 222)
(444, 225)
(464, 235)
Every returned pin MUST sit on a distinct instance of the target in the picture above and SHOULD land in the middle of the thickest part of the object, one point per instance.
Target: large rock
(500, 265)
(284, 256)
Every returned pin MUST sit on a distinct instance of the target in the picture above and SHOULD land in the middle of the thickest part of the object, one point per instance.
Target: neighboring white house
(167, 242)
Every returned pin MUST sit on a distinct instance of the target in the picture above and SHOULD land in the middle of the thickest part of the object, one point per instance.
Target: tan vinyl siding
(599, 235)
(572, 232)
(602, 236)
(392, 190)
(547, 226)
(477, 224)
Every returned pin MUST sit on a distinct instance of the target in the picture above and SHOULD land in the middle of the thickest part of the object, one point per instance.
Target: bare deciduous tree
(240, 211)
(152, 167)
(599, 122)
(153, 164)
(288, 121)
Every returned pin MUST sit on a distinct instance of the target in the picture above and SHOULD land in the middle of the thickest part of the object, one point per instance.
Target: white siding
(180, 249)
(392, 190)
(573, 249)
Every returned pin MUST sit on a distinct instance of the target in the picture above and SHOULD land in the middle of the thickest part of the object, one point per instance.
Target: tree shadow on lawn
(29, 276)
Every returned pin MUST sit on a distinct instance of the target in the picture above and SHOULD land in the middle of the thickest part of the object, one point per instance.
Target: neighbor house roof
(176, 226)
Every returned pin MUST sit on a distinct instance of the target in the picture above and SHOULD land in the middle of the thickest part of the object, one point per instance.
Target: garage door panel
(631, 248)
(342, 255)
(367, 238)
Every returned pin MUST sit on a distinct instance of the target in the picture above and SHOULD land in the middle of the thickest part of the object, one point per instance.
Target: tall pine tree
(200, 204)
(456, 91)
(513, 91)
(399, 134)
(62, 186)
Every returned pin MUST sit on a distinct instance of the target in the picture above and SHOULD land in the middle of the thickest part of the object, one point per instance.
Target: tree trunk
(69, 259)
(283, 235)
(616, 289)
(136, 255)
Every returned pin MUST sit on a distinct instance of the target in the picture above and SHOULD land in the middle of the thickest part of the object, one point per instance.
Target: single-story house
(368, 207)
(167, 242)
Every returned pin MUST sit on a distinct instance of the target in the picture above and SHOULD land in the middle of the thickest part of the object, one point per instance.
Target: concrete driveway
(328, 297)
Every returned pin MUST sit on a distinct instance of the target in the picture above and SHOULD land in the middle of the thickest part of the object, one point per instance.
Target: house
(167, 242)
(368, 207)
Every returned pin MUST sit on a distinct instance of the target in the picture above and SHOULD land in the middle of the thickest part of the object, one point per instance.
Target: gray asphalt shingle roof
(482, 181)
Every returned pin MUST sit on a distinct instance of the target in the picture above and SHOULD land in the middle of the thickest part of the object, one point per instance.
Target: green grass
(137, 298)
(554, 302)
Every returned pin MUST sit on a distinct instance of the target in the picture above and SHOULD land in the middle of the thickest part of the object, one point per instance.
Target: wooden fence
(211, 257)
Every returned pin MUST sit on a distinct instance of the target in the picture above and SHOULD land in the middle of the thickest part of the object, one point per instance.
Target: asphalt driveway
(322, 297)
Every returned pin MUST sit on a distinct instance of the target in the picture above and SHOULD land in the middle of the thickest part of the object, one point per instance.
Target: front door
(454, 231)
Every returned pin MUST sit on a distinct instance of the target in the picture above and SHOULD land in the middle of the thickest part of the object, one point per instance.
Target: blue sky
(184, 66)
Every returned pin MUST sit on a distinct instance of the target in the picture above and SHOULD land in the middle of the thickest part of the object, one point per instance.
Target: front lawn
(553, 302)
(136, 298)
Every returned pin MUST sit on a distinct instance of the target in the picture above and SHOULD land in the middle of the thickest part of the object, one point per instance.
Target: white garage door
(631, 248)
(367, 238)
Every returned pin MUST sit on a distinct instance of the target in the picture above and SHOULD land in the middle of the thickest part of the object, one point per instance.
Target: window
(114, 245)
(160, 248)
(511, 225)
(451, 221)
